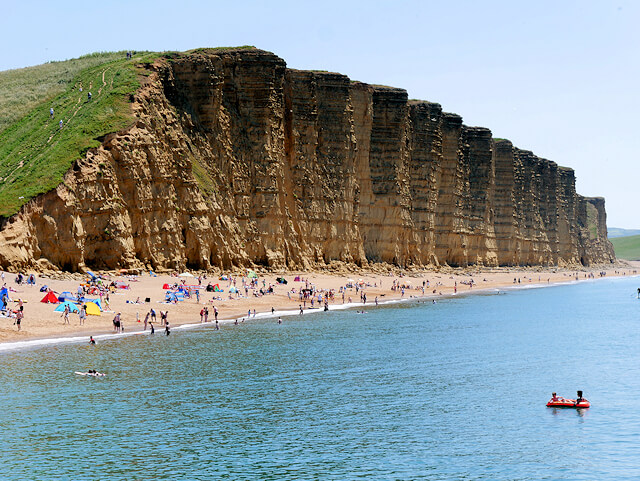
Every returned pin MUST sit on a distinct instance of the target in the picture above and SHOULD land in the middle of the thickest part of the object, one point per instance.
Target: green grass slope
(22, 89)
(35, 152)
(627, 247)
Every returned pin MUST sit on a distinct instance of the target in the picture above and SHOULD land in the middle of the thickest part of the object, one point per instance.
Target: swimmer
(279, 320)
(92, 341)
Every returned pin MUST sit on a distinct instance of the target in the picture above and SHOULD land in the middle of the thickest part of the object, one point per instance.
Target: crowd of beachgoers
(35, 306)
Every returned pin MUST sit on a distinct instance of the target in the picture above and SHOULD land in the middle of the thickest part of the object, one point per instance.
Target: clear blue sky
(558, 78)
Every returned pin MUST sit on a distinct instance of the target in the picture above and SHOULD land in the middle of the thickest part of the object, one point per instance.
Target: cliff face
(237, 160)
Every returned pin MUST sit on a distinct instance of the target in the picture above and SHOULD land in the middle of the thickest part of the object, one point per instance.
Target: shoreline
(47, 329)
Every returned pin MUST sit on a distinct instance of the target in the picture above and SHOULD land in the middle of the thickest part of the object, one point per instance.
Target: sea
(415, 390)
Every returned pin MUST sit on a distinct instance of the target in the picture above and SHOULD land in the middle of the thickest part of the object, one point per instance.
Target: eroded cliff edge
(236, 160)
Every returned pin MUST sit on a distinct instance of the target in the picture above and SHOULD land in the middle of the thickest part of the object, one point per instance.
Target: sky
(559, 78)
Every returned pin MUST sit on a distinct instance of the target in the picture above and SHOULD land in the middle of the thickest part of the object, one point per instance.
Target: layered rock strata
(235, 160)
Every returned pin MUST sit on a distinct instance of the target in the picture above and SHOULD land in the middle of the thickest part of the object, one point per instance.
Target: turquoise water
(455, 390)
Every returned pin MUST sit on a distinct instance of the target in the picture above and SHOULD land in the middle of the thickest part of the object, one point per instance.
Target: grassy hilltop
(627, 247)
(35, 151)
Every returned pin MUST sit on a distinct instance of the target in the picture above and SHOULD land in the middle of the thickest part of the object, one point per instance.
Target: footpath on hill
(37, 150)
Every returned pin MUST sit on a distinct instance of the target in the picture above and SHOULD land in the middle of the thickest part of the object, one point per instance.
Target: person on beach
(153, 314)
(163, 317)
(92, 341)
(152, 328)
(279, 320)
(301, 312)
(146, 321)
(82, 314)
(206, 314)
(116, 322)
(65, 314)
(217, 325)
(202, 315)
(19, 316)
(167, 329)
(215, 313)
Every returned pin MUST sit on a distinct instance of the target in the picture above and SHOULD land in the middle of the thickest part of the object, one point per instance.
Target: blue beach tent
(95, 301)
(72, 307)
(67, 296)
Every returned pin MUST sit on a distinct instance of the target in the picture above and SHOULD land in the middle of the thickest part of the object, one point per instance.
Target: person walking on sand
(215, 313)
(65, 314)
(146, 321)
(153, 315)
(152, 328)
(202, 315)
(82, 313)
(206, 314)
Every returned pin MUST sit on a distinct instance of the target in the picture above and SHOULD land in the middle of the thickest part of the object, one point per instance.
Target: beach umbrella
(185, 274)
(72, 307)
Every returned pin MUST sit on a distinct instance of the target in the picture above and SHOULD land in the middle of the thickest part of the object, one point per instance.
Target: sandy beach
(42, 322)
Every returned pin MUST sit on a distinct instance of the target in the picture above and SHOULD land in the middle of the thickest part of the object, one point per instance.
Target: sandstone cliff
(236, 160)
